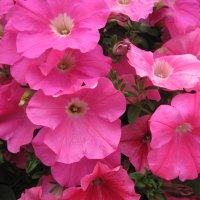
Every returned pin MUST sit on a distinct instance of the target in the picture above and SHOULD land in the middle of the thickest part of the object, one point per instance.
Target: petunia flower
(15, 127)
(103, 183)
(135, 142)
(42, 25)
(83, 124)
(135, 9)
(73, 173)
(175, 140)
(173, 72)
(60, 72)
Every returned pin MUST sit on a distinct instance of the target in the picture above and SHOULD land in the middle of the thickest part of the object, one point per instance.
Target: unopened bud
(118, 18)
(121, 48)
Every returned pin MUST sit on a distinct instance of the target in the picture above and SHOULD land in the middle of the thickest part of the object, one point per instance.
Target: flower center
(62, 25)
(97, 181)
(124, 2)
(1, 31)
(67, 63)
(184, 128)
(147, 138)
(76, 108)
(162, 69)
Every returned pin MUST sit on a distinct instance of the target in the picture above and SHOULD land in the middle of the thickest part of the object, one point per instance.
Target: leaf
(123, 86)
(133, 113)
(130, 94)
(150, 105)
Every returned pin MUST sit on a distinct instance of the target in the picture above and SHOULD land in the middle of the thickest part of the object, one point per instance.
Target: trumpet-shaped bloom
(103, 183)
(175, 140)
(173, 72)
(42, 25)
(83, 124)
(135, 9)
(135, 142)
(62, 71)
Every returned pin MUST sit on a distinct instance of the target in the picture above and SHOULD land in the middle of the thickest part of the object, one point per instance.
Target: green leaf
(133, 113)
(122, 86)
(130, 94)
(150, 105)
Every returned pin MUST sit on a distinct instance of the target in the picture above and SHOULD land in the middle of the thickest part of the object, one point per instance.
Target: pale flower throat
(162, 69)
(62, 25)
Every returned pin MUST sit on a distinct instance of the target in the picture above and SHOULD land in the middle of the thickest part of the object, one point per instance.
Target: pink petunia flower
(43, 191)
(47, 24)
(179, 16)
(15, 127)
(135, 9)
(5, 6)
(8, 51)
(103, 183)
(182, 44)
(73, 173)
(62, 71)
(33, 193)
(175, 140)
(123, 67)
(173, 72)
(83, 124)
(135, 142)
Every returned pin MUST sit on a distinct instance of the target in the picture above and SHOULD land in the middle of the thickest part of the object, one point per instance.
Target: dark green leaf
(133, 113)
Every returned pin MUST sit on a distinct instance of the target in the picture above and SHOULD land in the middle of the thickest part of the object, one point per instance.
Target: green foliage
(148, 184)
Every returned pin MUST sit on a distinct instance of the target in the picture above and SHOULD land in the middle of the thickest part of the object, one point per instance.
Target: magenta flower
(5, 6)
(83, 124)
(179, 16)
(173, 72)
(175, 141)
(15, 127)
(42, 25)
(103, 183)
(135, 9)
(182, 44)
(43, 191)
(80, 169)
(135, 142)
(63, 71)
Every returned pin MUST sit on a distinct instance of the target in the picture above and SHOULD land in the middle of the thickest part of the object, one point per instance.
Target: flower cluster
(97, 97)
